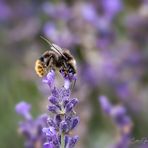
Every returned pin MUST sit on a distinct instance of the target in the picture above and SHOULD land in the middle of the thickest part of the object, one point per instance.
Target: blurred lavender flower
(23, 109)
(89, 12)
(56, 11)
(49, 79)
(120, 119)
(62, 120)
(59, 35)
(5, 11)
(48, 8)
(31, 128)
(112, 7)
(50, 31)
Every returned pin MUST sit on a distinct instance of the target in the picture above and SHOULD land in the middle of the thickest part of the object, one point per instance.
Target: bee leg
(50, 63)
(74, 83)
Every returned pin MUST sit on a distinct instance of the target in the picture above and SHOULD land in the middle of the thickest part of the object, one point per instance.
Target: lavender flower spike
(62, 118)
(123, 122)
(31, 128)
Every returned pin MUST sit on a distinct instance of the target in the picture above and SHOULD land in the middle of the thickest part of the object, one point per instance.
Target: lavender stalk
(121, 120)
(62, 118)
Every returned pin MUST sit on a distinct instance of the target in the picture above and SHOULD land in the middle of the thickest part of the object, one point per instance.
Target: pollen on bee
(39, 68)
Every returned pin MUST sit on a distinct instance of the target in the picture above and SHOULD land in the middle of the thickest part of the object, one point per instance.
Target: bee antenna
(47, 41)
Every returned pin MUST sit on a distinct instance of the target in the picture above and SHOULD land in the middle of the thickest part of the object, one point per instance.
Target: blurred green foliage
(13, 88)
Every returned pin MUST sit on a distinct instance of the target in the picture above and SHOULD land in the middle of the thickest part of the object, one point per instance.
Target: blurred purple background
(108, 39)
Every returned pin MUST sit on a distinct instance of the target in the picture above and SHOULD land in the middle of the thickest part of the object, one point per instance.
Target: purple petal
(25, 129)
(67, 83)
(118, 111)
(66, 140)
(49, 79)
(112, 7)
(53, 100)
(23, 109)
(88, 12)
(48, 145)
(68, 78)
(55, 92)
(56, 141)
(5, 11)
(65, 102)
(63, 127)
(51, 123)
(74, 123)
(42, 118)
(65, 93)
(72, 141)
(48, 8)
(49, 131)
(124, 122)
(53, 109)
(71, 104)
(105, 104)
(124, 142)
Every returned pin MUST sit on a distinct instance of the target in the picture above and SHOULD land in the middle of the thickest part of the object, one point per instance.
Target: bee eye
(41, 59)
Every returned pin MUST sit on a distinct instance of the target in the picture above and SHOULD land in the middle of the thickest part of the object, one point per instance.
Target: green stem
(62, 141)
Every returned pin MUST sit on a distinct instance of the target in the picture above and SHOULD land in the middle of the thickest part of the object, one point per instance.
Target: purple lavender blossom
(68, 79)
(121, 120)
(48, 8)
(56, 11)
(62, 118)
(23, 109)
(5, 11)
(50, 30)
(59, 35)
(70, 141)
(49, 79)
(89, 13)
(31, 128)
(112, 7)
(105, 104)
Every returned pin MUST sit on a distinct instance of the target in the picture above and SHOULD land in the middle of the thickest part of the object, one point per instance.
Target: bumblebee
(56, 59)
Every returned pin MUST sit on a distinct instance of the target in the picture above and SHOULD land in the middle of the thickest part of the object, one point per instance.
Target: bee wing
(58, 50)
(54, 47)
